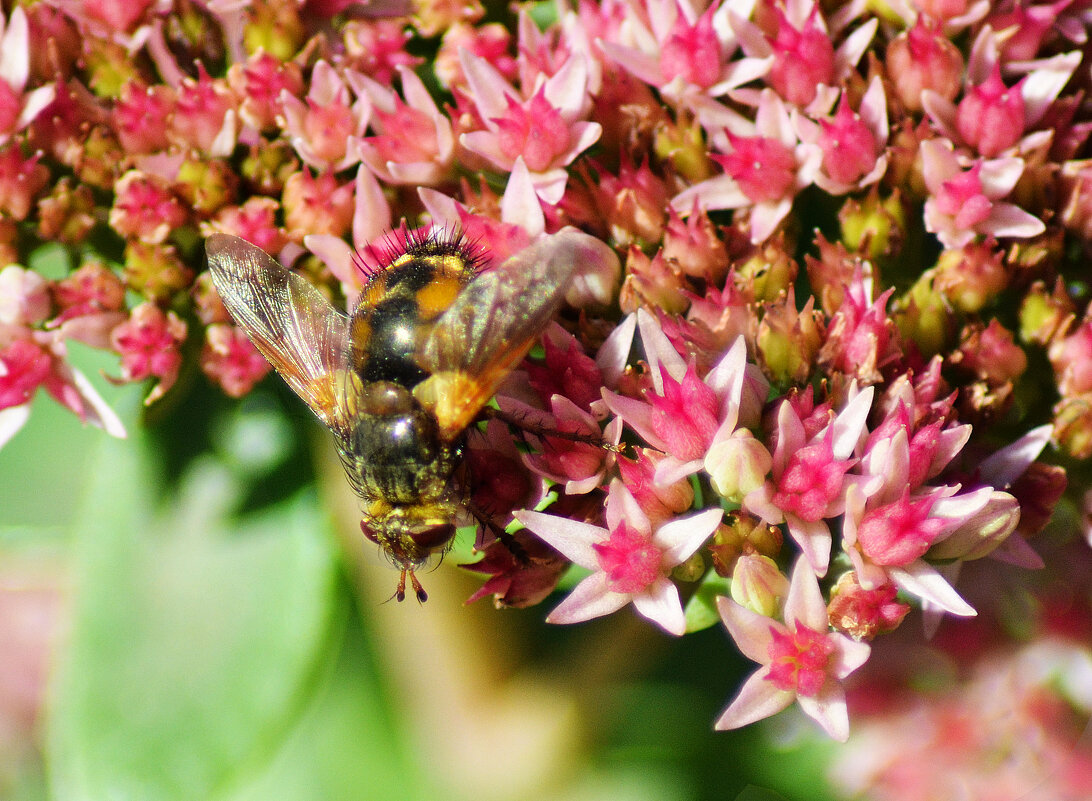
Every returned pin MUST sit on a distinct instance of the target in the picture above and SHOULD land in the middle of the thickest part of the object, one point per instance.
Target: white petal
(590, 598)
(804, 603)
(661, 604)
(829, 710)
(681, 537)
(11, 420)
(749, 630)
(757, 699)
(923, 580)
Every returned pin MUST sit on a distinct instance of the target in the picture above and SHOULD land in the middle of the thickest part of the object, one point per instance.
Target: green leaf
(701, 609)
(194, 641)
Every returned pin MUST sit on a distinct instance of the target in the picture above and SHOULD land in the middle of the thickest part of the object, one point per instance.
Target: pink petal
(681, 537)
(923, 581)
(814, 540)
(589, 599)
(659, 352)
(520, 205)
(660, 603)
(622, 507)
(804, 603)
(749, 630)
(757, 699)
(829, 710)
(721, 192)
(614, 353)
(573, 539)
(641, 66)
(637, 415)
(1009, 220)
(14, 50)
(372, 213)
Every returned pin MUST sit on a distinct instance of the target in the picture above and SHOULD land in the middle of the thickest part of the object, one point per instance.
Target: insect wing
(490, 327)
(289, 322)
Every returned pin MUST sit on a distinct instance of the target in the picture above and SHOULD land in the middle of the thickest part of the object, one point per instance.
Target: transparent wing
(491, 326)
(288, 320)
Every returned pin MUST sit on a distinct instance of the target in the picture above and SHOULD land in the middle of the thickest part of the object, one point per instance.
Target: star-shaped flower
(631, 562)
(801, 659)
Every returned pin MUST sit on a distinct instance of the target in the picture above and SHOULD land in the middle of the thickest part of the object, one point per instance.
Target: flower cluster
(847, 319)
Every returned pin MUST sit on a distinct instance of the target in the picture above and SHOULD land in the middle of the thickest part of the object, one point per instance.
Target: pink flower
(786, 167)
(683, 415)
(230, 360)
(414, 142)
(802, 57)
(377, 48)
(566, 370)
(809, 482)
(801, 659)
(140, 117)
(316, 204)
(890, 524)
(204, 115)
(148, 344)
(145, 208)
(24, 297)
(685, 55)
(17, 107)
(33, 359)
(578, 466)
(545, 127)
(631, 562)
(963, 205)
(853, 143)
(323, 130)
(260, 83)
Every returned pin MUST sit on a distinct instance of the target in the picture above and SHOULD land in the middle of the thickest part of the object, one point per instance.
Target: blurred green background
(222, 633)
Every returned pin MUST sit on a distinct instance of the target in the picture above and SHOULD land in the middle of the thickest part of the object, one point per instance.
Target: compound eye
(433, 537)
(368, 533)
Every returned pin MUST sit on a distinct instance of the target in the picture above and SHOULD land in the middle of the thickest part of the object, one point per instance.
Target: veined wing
(289, 321)
(492, 324)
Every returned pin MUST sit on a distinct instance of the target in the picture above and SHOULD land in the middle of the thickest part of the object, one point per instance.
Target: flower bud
(742, 533)
(274, 27)
(861, 613)
(971, 277)
(206, 184)
(767, 272)
(652, 283)
(682, 143)
(737, 465)
(873, 227)
(1071, 358)
(788, 341)
(923, 58)
(1073, 425)
(924, 317)
(981, 533)
(156, 271)
(759, 585)
(66, 214)
(990, 353)
(1043, 315)
(694, 246)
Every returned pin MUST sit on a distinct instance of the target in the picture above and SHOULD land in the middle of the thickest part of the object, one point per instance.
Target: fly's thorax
(398, 307)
